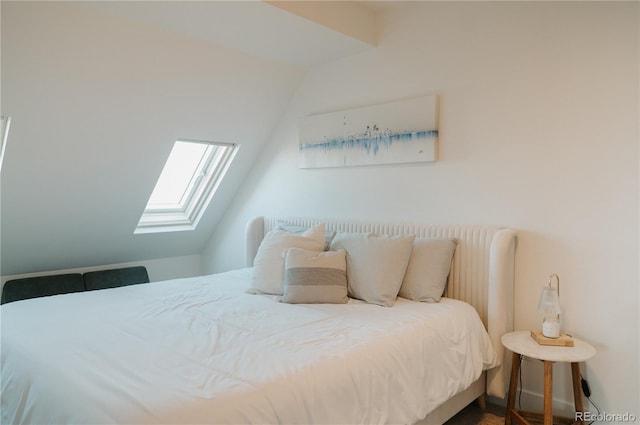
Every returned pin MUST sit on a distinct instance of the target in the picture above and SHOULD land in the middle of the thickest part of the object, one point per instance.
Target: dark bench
(42, 286)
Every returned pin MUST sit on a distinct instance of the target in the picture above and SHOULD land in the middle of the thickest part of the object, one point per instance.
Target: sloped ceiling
(98, 93)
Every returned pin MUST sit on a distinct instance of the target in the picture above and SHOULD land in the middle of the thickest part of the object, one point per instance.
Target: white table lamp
(550, 304)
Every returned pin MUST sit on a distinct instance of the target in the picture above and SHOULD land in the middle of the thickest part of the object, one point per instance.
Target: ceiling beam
(346, 17)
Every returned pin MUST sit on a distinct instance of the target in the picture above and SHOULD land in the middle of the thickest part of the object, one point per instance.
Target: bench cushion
(113, 278)
(42, 286)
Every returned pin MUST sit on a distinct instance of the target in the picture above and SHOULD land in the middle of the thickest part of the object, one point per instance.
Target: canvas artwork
(397, 132)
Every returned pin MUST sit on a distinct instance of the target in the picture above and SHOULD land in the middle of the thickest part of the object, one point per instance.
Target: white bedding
(201, 350)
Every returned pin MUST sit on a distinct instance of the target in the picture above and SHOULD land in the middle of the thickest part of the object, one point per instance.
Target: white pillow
(315, 277)
(268, 265)
(375, 265)
(298, 230)
(428, 269)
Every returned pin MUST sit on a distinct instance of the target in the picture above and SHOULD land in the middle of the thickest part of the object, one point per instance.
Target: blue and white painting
(390, 133)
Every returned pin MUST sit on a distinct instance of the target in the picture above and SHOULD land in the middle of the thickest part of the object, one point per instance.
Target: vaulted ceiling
(99, 91)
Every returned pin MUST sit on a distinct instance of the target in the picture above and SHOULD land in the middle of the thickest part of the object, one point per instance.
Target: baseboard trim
(533, 401)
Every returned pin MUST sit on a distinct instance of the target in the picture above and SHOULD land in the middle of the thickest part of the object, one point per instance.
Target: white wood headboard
(482, 272)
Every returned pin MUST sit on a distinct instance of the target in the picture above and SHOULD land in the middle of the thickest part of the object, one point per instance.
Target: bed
(205, 350)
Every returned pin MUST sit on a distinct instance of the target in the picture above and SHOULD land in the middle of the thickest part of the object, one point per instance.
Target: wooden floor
(473, 415)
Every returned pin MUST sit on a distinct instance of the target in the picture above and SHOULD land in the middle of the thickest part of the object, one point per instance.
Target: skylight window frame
(201, 168)
(205, 181)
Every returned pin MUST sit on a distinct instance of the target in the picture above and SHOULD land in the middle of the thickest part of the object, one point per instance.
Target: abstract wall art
(397, 132)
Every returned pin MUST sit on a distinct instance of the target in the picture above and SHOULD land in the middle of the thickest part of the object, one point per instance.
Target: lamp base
(563, 340)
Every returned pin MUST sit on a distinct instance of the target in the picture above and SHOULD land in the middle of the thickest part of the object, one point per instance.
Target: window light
(4, 133)
(186, 185)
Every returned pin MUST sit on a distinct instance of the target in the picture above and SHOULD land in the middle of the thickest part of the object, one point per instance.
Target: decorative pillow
(268, 265)
(375, 265)
(315, 277)
(298, 230)
(428, 269)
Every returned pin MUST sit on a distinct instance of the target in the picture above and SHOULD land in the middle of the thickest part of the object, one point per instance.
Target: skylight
(186, 185)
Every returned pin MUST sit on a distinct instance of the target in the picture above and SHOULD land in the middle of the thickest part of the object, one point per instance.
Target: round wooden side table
(522, 344)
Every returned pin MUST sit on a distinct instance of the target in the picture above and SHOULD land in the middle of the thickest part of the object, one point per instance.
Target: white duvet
(201, 350)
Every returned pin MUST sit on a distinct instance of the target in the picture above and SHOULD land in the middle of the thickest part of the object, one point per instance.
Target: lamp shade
(549, 304)
(549, 301)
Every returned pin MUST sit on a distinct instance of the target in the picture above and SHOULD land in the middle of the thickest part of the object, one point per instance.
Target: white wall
(97, 102)
(538, 131)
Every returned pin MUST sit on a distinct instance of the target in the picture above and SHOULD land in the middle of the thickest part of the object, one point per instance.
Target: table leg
(577, 391)
(513, 386)
(548, 392)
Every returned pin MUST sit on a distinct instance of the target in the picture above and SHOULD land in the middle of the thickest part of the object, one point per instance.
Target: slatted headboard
(482, 271)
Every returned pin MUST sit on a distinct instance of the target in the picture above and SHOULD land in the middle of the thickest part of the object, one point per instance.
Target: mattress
(202, 350)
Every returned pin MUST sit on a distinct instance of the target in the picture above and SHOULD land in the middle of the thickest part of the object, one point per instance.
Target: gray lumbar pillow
(315, 277)
(428, 269)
